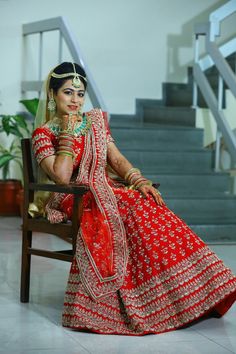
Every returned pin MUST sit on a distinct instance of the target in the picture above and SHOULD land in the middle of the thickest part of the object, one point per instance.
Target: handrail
(226, 49)
(216, 56)
(60, 23)
(219, 15)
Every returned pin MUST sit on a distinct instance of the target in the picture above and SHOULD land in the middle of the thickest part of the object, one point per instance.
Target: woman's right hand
(68, 122)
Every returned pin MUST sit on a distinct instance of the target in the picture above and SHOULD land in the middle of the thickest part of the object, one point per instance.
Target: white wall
(131, 46)
(205, 119)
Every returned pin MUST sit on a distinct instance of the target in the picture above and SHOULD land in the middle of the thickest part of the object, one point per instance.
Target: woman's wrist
(131, 172)
(65, 144)
(136, 179)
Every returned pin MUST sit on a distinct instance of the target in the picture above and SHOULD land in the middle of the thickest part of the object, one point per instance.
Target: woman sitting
(138, 268)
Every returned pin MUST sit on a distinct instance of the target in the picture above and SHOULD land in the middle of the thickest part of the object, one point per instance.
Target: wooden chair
(67, 231)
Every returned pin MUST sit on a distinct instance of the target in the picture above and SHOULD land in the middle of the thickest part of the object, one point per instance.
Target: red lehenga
(138, 267)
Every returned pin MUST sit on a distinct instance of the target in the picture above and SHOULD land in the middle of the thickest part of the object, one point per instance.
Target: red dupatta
(101, 251)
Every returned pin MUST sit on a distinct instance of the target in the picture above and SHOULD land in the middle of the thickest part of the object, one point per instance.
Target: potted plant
(19, 127)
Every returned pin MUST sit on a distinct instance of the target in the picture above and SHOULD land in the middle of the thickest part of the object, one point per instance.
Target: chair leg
(25, 266)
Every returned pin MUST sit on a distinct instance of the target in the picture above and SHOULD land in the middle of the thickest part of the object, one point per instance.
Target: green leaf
(5, 171)
(5, 159)
(20, 120)
(10, 125)
(6, 124)
(31, 105)
(13, 148)
(14, 130)
(2, 148)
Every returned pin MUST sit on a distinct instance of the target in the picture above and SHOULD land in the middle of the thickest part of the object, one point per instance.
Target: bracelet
(65, 152)
(66, 142)
(132, 170)
(139, 180)
(133, 177)
(66, 134)
(65, 148)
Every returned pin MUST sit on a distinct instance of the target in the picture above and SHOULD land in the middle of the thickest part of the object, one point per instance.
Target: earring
(51, 105)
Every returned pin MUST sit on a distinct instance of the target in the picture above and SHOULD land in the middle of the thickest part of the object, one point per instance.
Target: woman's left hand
(146, 189)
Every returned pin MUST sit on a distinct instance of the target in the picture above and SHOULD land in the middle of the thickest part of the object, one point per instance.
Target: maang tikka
(76, 82)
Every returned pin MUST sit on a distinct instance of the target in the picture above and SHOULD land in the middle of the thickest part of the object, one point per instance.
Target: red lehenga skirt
(172, 277)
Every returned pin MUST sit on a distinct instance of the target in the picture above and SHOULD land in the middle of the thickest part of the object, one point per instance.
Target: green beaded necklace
(80, 128)
(83, 127)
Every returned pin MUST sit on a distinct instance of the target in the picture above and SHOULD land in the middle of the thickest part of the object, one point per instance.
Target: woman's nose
(74, 97)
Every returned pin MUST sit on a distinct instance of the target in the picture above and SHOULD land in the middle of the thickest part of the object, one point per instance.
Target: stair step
(184, 116)
(177, 185)
(181, 95)
(158, 139)
(205, 210)
(161, 140)
(124, 120)
(216, 233)
(137, 124)
(152, 162)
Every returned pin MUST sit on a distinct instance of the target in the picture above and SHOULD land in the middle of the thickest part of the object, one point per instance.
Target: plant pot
(8, 197)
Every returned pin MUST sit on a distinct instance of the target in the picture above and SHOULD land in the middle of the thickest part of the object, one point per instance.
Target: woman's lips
(73, 108)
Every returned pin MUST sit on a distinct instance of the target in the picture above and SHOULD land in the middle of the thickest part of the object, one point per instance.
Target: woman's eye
(81, 94)
(68, 92)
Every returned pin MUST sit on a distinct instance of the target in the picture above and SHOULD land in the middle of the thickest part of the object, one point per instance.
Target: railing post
(40, 55)
(218, 133)
(196, 57)
(60, 47)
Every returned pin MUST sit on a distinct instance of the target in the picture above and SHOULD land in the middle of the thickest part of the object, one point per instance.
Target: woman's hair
(63, 68)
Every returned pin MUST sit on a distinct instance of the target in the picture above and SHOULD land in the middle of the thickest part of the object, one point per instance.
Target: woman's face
(69, 99)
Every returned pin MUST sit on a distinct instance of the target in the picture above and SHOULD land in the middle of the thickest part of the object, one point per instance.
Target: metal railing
(216, 56)
(60, 24)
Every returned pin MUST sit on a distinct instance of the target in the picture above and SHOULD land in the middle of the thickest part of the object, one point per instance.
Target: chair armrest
(70, 188)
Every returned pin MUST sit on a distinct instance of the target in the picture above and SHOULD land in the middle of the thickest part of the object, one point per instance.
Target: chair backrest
(29, 163)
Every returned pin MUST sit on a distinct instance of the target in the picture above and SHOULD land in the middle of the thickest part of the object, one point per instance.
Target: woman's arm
(122, 166)
(58, 167)
(117, 161)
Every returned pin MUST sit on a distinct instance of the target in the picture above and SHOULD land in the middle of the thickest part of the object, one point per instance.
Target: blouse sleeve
(42, 144)
(108, 132)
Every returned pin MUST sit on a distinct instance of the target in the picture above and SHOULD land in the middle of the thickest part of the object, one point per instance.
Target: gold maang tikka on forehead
(76, 82)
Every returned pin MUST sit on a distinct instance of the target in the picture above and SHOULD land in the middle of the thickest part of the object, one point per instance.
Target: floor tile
(35, 328)
(150, 344)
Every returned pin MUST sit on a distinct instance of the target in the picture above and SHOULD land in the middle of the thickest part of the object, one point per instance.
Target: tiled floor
(35, 328)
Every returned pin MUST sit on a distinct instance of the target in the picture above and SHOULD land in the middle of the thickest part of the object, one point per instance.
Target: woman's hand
(69, 121)
(146, 189)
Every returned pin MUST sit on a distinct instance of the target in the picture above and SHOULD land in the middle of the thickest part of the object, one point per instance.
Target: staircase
(161, 140)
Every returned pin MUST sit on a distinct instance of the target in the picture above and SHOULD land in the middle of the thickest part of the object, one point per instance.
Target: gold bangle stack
(66, 144)
(132, 171)
(135, 178)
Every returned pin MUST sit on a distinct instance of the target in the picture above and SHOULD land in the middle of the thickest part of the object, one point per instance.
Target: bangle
(66, 141)
(131, 170)
(133, 177)
(65, 134)
(139, 180)
(65, 147)
(65, 152)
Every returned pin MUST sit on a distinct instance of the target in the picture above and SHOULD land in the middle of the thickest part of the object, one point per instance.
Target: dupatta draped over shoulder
(101, 251)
